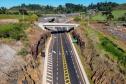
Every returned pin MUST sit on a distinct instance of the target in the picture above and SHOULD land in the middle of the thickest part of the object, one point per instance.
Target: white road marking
(50, 60)
(48, 83)
(49, 70)
(49, 80)
(49, 76)
(57, 73)
(56, 78)
(50, 54)
(59, 53)
(49, 73)
(54, 52)
(50, 65)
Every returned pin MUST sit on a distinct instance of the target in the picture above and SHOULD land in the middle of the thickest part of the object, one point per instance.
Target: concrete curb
(79, 62)
(46, 61)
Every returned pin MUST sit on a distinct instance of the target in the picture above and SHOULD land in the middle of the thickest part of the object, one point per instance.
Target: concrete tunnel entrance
(59, 29)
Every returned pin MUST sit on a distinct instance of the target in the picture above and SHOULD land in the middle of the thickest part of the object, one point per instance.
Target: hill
(121, 7)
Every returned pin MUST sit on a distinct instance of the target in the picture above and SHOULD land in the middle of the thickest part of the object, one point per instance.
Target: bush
(23, 52)
(123, 18)
(33, 18)
(14, 31)
(77, 19)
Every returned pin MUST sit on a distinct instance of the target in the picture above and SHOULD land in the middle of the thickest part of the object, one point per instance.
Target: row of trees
(67, 8)
(3, 10)
(103, 6)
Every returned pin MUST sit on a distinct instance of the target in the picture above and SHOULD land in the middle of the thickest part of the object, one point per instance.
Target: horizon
(9, 3)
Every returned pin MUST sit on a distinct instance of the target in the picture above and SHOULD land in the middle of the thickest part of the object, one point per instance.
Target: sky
(10, 3)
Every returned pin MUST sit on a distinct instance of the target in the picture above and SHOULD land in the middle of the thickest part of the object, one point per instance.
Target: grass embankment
(104, 43)
(116, 13)
(117, 53)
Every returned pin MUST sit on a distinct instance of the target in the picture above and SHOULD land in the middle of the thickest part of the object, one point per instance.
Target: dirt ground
(16, 69)
(6, 21)
(117, 31)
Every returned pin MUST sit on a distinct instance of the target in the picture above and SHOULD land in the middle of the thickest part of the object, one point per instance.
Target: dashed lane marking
(57, 78)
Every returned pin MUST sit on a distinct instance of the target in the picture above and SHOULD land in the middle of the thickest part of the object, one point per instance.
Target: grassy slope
(107, 46)
(6, 27)
(102, 50)
(116, 13)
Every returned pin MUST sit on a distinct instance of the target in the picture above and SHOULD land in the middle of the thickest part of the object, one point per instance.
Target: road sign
(74, 40)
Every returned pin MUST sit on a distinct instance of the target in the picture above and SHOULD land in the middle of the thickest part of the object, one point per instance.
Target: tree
(103, 6)
(110, 17)
(33, 18)
(3, 10)
(60, 9)
(23, 11)
(77, 19)
(67, 8)
(123, 18)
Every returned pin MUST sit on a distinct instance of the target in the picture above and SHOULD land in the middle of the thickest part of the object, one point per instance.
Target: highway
(62, 67)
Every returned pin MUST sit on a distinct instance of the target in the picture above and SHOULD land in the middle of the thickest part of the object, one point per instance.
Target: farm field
(116, 13)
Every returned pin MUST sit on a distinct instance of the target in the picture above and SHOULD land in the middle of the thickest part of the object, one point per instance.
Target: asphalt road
(58, 74)
(55, 71)
(74, 70)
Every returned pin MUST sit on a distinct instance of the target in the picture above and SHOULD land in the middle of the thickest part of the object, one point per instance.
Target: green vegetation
(103, 6)
(116, 13)
(33, 18)
(123, 18)
(23, 52)
(14, 31)
(45, 9)
(99, 17)
(3, 10)
(107, 45)
(117, 52)
(77, 19)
